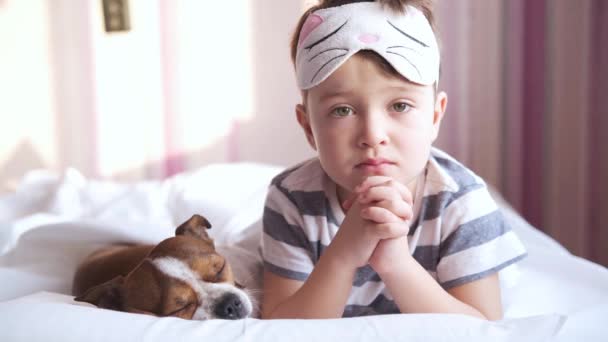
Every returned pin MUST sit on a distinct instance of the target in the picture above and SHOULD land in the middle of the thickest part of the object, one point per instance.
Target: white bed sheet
(52, 222)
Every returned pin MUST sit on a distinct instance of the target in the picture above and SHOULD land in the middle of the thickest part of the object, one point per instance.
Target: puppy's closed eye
(217, 270)
(220, 272)
(186, 310)
(180, 302)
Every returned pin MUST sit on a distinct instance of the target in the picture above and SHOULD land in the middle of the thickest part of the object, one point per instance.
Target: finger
(380, 193)
(350, 200)
(381, 181)
(348, 203)
(371, 181)
(390, 230)
(379, 215)
(385, 193)
(399, 208)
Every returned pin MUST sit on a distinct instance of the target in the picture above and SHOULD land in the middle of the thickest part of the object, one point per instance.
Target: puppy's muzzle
(230, 306)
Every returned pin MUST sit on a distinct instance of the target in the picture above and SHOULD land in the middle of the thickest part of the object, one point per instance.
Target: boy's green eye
(401, 107)
(342, 111)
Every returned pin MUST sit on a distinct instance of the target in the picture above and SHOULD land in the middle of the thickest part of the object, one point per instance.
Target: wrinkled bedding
(52, 221)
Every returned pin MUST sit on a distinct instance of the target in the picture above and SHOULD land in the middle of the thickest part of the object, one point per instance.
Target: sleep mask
(330, 36)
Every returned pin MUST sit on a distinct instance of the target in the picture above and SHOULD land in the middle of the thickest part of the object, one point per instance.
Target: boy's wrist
(337, 259)
(336, 264)
(352, 246)
(349, 251)
(404, 265)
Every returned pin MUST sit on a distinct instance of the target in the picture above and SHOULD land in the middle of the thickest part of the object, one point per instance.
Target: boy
(380, 222)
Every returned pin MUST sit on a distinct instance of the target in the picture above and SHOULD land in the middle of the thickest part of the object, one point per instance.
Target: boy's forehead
(354, 77)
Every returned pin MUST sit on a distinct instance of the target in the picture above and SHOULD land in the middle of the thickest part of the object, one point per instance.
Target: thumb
(348, 203)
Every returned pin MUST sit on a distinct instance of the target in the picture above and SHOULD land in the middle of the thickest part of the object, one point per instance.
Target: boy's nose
(373, 133)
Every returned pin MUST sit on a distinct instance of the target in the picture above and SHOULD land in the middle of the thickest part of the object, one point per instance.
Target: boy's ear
(304, 122)
(441, 103)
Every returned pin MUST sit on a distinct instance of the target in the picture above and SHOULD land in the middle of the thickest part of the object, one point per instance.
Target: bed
(52, 221)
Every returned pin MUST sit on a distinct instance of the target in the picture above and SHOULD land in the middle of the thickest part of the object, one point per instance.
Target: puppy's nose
(230, 307)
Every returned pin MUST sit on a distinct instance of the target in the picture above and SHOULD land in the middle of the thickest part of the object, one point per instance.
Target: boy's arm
(414, 290)
(324, 286)
(410, 285)
(323, 295)
(325, 292)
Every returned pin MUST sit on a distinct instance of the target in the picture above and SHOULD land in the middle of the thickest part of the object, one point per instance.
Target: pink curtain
(525, 80)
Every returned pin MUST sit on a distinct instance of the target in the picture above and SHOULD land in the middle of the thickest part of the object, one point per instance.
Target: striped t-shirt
(458, 234)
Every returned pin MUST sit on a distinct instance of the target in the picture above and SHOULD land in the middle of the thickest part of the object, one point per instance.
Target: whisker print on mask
(309, 47)
(407, 35)
(407, 60)
(326, 63)
(324, 51)
(404, 47)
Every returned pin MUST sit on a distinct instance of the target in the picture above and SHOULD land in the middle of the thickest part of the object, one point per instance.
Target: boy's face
(363, 122)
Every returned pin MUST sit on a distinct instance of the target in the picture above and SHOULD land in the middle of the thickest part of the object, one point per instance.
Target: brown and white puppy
(183, 276)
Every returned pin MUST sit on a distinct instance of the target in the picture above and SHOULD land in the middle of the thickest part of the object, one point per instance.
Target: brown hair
(425, 6)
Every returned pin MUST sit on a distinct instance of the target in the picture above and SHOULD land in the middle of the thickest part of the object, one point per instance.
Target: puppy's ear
(107, 295)
(196, 226)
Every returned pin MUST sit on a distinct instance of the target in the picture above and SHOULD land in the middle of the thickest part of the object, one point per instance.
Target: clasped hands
(374, 231)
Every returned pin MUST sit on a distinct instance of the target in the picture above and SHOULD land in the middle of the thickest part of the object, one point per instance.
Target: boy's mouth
(375, 162)
(374, 165)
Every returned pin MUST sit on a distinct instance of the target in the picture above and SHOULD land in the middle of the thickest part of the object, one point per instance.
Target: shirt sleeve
(476, 240)
(286, 250)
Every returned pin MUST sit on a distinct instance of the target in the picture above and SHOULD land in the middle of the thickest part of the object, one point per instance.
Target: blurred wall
(27, 115)
(189, 84)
